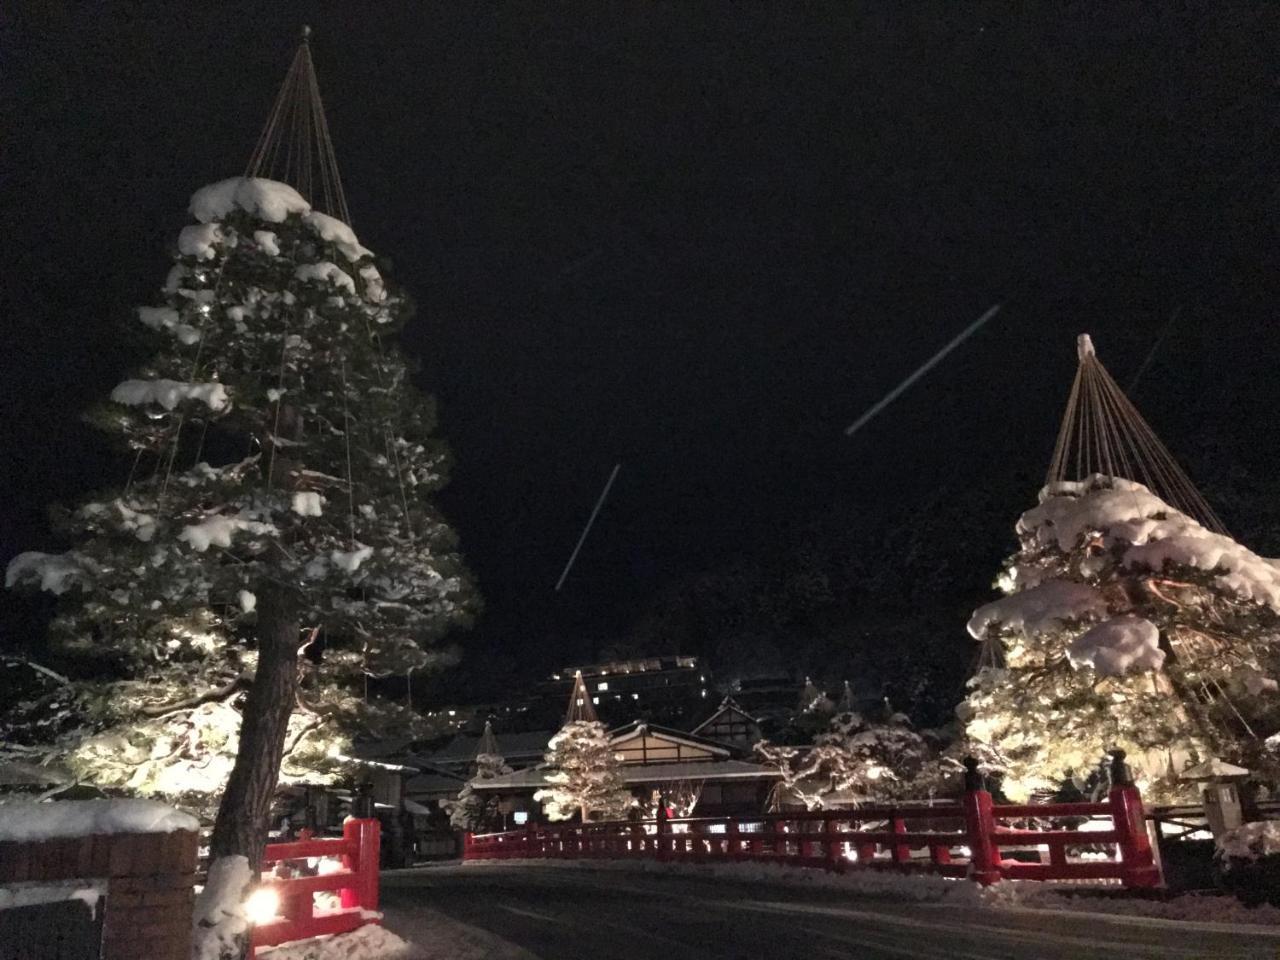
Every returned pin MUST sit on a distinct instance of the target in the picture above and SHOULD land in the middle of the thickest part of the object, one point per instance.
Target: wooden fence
(974, 838)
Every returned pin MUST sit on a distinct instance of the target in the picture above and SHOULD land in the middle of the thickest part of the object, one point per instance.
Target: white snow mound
(217, 531)
(198, 240)
(1118, 646)
(307, 503)
(266, 199)
(169, 393)
(338, 233)
(54, 573)
(1121, 512)
(326, 271)
(50, 820)
(1039, 608)
(1250, 841)
(370, 942)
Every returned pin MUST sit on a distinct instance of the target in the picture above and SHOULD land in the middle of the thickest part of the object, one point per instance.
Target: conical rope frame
(1103, 432)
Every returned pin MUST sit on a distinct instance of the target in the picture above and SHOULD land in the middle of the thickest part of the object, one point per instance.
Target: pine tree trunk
(241, 826)
(242, 822)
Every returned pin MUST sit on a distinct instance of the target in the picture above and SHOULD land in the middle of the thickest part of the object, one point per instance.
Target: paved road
(583, 912)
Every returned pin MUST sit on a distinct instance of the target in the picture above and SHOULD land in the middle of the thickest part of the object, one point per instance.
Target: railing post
(733, 842)
(835, 855)
(1140, 869)
(364, 836)
(664, 831)
(901, 853)
(984, 855)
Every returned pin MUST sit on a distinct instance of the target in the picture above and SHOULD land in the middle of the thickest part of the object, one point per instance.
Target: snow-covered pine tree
(1127, 624)
(280, 457)
(477, 812)
(585, 775)
(852, 761)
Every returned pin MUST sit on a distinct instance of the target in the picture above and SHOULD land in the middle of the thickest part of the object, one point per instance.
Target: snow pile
(1118, 646)
(248, 601)
(1121, 512)
(167, 318)
(351, 560)
(1039, 609)
(267, 242)
(338, 233)
(219, 916)
(26, 820)
(1250, 841)
(169, 393)
(30, 894)
(375, 290)
(217, 531)
(198, 240)
(307, 504)
(266, 199)
(54, 572)
(370, 942)
(326, 271)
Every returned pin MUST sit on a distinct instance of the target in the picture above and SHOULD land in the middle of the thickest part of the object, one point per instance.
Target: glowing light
(263, 906)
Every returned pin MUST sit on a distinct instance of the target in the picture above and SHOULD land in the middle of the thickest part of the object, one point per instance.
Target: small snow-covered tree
(277, 501)
(585, 774)
(475, 811)
(1127, 624)
(852, 761)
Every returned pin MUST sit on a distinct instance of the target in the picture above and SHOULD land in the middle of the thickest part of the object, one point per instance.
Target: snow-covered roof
(535, 777)
(462, 748)
(641, 728)
(25, 820)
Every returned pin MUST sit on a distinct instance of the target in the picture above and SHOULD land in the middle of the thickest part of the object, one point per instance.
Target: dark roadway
(566, 912)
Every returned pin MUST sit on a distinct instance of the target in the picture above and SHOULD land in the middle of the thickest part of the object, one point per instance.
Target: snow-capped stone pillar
(984, 855)
(1131, 826)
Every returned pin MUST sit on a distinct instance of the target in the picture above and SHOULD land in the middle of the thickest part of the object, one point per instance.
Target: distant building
(669, 690)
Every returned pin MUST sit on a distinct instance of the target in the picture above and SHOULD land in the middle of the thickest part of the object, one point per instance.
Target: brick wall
(149, 878)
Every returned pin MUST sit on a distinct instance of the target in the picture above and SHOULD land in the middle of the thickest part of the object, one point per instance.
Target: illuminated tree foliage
(585, 775)
(1126, 624)
(275, 441)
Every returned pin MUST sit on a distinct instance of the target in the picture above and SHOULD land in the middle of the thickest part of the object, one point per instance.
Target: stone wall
(149, 885)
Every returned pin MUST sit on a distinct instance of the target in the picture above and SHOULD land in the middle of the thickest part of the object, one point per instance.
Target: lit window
(602, 685)
(453, 713)
(521, 817)
(704, 693)
(635, 696)
(595, 700)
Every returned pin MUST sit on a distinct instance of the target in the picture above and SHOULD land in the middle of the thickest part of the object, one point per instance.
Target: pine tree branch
(232, 687)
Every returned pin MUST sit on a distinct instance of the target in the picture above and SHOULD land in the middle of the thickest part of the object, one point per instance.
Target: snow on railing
(356, 884)
(950, 839)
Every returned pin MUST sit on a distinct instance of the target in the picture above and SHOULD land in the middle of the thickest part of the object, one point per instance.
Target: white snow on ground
(55, 573)
(198, 239)
(925, 888)
(1250, 841)
(27, 820)
(219, 915)
(307, 503)
(437, 936)
(1154, 533)
(169, 393)
(326, 271)
(29, 894)
(370, 942)
(1039, 608)
(266, 199)
(217, 531)
(1118, 646)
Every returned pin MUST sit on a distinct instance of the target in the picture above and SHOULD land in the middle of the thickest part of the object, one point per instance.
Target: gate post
(1127, 815)
(364, 836)
(984, 855)
(664, 831)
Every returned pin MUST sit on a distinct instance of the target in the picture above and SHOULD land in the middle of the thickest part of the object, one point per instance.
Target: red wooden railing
(951, 839)
(356, 884)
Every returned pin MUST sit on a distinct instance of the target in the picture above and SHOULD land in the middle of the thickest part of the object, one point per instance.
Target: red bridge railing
(965, 839)
(356, 885)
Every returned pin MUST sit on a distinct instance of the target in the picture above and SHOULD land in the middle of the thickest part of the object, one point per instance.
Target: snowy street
(552, 912)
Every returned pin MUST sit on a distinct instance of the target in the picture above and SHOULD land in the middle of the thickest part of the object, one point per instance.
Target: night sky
(696, 239)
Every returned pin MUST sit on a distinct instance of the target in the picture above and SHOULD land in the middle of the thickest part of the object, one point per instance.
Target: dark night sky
(699, 239)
